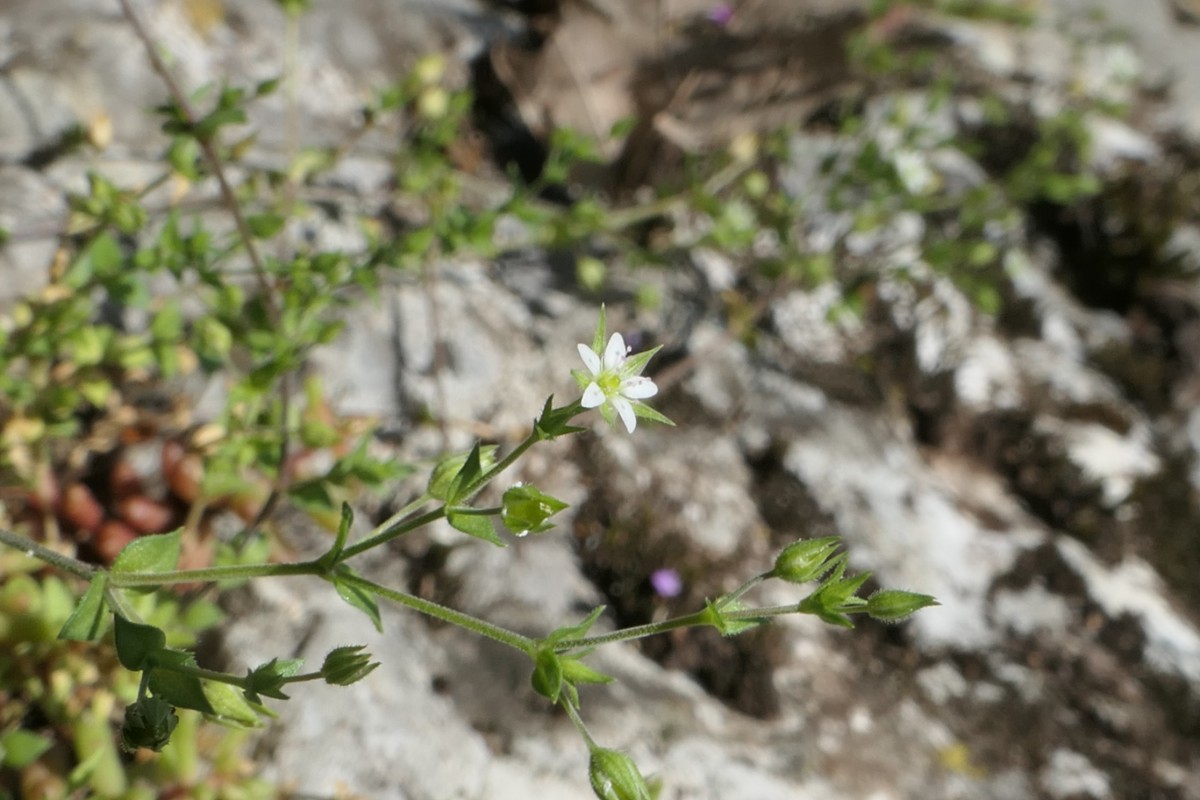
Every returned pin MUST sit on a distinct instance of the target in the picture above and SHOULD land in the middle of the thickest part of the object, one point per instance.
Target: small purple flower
(666, 582)
(720, 15)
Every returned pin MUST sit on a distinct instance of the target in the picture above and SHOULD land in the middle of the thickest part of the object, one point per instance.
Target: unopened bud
(526, 509)
(893, 605)
(615, 777)
(805, 560)
(148, 723)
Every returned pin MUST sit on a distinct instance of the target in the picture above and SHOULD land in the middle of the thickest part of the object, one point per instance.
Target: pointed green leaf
(264, 226)
(480, 527)
(136, 643)
(355, 595)
(230, 706)
(20, 748)
(178, 689)
(578, 630)
(575, 671)
(343, 532)
(554, 422)
(89, 620)
(268, 679)
(158, 553)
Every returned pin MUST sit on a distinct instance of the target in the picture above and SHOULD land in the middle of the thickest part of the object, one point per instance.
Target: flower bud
(148, 723)
(805, 560)
(893, 605)
(441, 482)
(526, 509)
(615, 777)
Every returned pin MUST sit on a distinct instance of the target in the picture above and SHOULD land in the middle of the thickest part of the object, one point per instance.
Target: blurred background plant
(99, 447)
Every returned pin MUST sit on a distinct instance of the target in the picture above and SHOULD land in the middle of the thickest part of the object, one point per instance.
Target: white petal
(625, 410)
(638, 388)
(614, 354)
(590, 359)
(593, 396)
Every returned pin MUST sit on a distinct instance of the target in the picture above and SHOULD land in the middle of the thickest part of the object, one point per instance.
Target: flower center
(609, 382)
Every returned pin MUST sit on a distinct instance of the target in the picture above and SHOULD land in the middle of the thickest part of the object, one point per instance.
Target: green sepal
(834, 599)
(635, 363)
(576, 672)
(148, 554)
(89, 620)
(476, 525)
(137, 643)
(355, 595)
(644, 411)
(598, 341)
(554, 422)
(267, 680)
(547, 677)
(714, 614)
(576, 631)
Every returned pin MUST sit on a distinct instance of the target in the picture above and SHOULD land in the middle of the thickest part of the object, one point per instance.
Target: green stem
(737, 593)
(400, 515)
(430, 608)
(393, 532)
(205, 674)
(43, 553)
(699, 618)
(573, 713)
(211, 574)
(501, 465)
(478, 512)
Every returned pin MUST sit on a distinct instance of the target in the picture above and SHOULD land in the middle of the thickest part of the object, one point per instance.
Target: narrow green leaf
(20, 748)
(230, 706)
(264, 226)
(136, 643)
(356, 596)
(343, 532)
(578, 630)
(575, 671)
(89, 620)
(181, 691)
(148, 554)
(472, 468)
(476, 525)
(268, 679)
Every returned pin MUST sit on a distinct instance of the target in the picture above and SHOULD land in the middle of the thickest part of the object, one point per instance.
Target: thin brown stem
(210, 156)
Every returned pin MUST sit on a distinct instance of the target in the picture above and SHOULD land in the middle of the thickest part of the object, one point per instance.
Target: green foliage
(210, 301)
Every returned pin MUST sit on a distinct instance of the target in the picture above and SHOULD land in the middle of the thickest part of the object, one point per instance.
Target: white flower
(616, 382)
